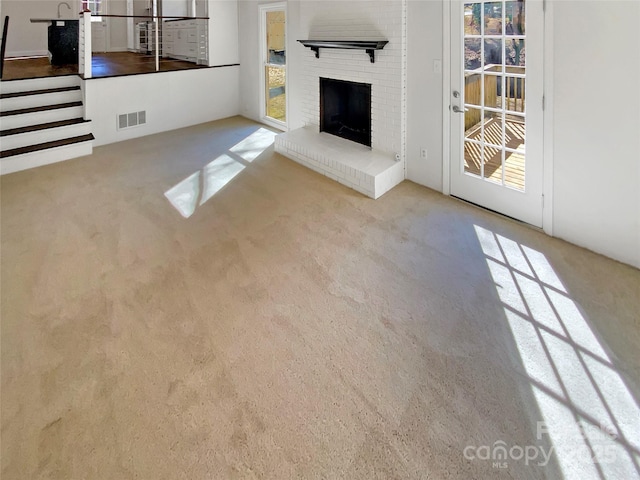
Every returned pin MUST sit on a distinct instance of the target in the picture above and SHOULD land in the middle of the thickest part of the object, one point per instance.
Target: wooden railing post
(3, 47)
(472, 95)
(490, 90)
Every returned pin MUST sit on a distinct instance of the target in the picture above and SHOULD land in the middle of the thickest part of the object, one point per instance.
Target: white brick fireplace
(371, 171)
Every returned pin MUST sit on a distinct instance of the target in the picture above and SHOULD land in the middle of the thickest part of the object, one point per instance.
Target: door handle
(457, 109)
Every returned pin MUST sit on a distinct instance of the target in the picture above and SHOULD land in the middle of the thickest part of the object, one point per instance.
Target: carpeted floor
(283, 326)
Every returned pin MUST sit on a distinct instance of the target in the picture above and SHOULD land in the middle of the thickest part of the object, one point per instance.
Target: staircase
(41, 122)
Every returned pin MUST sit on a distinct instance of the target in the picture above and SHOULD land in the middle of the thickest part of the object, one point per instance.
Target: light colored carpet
(292, 328)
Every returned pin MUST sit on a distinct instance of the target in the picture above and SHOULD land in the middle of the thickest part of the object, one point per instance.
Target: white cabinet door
(168, 35)
(180, 42)
(180, 39)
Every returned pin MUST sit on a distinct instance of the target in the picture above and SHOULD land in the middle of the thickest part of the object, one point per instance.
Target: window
(96, 7)
(274, 64)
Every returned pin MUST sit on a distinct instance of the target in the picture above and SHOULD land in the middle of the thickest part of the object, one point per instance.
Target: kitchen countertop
(47, 20)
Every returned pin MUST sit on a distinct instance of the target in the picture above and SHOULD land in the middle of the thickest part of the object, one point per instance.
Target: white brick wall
(358, 20)
(368, 171)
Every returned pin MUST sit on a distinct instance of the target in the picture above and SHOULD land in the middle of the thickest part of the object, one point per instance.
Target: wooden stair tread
(28, 93)
(46, 145)
(42, 108)
(42, 126)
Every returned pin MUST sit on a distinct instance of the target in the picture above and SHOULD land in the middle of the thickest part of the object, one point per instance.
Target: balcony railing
(513, 94)
(157, 38)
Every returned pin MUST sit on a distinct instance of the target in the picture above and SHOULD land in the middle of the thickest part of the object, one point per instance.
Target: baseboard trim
(26, 53)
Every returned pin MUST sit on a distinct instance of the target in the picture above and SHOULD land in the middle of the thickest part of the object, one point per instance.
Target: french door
(274, 64)
(496, 105)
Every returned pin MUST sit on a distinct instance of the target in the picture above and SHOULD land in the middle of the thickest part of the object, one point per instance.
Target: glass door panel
(490, 52)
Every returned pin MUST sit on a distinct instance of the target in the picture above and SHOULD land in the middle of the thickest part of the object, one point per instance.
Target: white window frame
(97, 8)
(271, 7)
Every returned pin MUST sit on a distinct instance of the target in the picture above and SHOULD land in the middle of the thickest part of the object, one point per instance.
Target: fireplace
(345, 109)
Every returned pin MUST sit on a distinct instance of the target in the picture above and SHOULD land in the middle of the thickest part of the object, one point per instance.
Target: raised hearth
(370, 172)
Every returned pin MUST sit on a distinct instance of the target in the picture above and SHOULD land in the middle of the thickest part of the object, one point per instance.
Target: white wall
(171, 99)
(117, 27)
(174, 8)
(424, 92)
(596, 113)
(249, 52)
(223, 31)
(201, 8)
(25, 38)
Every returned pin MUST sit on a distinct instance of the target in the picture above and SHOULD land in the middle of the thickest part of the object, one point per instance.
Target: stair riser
(15, 86)
(36, 118)
(42, 136)
(30, 101)
(44, 157)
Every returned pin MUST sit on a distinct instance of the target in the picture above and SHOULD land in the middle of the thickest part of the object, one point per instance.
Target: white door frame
(547, 114)
(547, 118)
(263, 9)
(104, 26)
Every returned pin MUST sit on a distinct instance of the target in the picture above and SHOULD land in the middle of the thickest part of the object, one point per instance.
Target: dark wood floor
(103, 65)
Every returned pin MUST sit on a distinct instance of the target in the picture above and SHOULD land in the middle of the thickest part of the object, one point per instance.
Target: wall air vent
(127, 120)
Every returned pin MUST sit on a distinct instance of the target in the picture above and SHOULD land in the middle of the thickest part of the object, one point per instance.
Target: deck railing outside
(514, 94)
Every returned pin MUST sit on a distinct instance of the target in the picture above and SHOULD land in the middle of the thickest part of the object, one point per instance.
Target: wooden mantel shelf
(370, 46)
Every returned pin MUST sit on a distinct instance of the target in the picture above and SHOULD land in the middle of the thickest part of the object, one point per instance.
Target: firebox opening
(345, 109)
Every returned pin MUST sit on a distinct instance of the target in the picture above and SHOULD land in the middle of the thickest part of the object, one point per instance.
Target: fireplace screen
(345, 109)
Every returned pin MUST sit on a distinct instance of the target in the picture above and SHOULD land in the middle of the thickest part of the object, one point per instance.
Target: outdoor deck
(514, 161)
(483, 88)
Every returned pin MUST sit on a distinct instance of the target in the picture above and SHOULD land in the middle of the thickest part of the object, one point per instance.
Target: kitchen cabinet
(185, 40)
